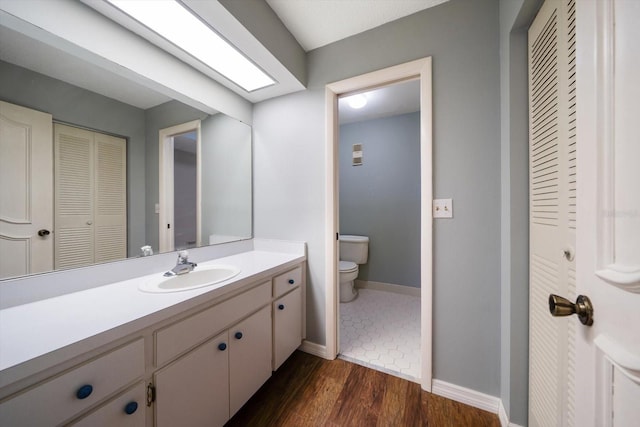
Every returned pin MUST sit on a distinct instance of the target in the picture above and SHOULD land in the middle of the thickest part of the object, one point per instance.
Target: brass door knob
(559, 306)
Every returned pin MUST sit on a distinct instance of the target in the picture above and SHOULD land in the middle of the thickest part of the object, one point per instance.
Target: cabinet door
(287, 326)
(250, 357)
(194, 390)
(126, 410)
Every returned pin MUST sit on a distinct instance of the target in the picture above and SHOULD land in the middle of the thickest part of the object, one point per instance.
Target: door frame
(418, 69)
(166, 241)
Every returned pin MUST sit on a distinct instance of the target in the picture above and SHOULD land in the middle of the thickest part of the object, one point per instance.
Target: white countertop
(52, 330)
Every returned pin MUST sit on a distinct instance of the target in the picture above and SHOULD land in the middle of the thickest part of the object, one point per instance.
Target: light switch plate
(442, 208)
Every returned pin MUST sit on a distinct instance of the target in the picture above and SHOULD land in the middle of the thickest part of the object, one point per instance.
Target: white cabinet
(194, 390)
(287, 314)
(250, 357)
(287, 326)
(210, 383)
(125, 410)
(196, 367)
(68, 395)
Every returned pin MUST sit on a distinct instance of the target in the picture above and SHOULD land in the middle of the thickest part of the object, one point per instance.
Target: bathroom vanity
(115, 355)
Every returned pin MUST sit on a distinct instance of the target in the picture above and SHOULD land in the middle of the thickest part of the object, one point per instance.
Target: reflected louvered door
(110, 198)
(552, 202)
(90, 197)
(74, 193)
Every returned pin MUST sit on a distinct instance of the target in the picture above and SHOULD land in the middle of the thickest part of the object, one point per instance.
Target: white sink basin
(198, 278)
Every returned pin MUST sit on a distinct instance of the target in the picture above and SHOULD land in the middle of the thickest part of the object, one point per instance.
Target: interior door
(608, 238)
(26, 191)
(552, 216)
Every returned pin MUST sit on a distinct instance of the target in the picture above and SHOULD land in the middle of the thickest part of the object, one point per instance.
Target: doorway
(420, 70)
(379, 199)
(185, 179)
(180, 188)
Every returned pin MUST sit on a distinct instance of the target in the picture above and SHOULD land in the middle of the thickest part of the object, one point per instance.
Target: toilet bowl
(348, 273)
(354, 250)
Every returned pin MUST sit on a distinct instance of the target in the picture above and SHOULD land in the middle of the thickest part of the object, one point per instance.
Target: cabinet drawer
(287, 281)
(179, 337)
(125, 410)
(71, 393)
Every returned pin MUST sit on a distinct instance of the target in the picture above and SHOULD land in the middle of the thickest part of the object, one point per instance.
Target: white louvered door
(110, 198)
(90, 197)
(552, 192)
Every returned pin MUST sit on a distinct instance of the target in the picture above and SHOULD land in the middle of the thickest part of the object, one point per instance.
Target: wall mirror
(122, 119)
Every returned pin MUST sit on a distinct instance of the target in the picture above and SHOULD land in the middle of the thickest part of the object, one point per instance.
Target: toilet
(354, 250)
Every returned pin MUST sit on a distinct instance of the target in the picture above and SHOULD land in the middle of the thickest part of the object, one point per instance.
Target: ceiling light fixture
(180, 26)
(356, 101)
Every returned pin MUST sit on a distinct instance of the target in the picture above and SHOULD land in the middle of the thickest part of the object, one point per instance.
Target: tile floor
(381, 330)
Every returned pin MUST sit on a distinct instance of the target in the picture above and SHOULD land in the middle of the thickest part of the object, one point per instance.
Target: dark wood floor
(310, 391)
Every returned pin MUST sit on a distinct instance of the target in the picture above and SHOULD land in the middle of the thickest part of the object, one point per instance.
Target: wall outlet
(442, 208)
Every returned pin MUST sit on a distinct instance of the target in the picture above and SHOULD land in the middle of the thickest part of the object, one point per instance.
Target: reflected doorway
(185, 179)
(180, 194)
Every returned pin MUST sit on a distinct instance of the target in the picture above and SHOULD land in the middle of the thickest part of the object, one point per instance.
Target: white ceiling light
(178, 25)
(356, 101)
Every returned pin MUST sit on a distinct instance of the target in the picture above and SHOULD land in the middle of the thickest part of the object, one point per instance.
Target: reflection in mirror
(94, 105)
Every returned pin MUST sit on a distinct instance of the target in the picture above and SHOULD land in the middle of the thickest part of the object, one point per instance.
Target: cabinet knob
(281, 307)
(222, 346)
(84, 391)
(238, 335)
(131, 408)
(291, 281)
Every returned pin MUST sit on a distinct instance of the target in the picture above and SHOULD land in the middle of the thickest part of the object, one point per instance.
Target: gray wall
(80, 107)
(226, 177)
(462, 36)
(381, 198)
(515, 18)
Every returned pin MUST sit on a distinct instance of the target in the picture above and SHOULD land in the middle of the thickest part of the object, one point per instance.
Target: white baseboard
(466, 396)
(504, 418)
(314, 349)
(387, 287)
(502, 415)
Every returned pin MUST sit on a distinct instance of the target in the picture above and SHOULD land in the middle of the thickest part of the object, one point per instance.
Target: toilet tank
(354, 248)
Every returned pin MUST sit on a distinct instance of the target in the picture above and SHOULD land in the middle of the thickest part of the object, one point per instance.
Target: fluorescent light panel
(175, 23)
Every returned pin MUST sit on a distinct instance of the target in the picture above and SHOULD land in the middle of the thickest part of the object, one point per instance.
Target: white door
(249, 357)
(608, 237)
(90, 197)
(26, 191)
(193, 391)
(552, 229)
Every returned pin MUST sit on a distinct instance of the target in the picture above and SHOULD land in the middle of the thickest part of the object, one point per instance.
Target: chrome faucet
(183, 266)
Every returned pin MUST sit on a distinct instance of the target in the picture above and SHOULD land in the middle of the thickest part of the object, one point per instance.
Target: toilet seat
(348, 267)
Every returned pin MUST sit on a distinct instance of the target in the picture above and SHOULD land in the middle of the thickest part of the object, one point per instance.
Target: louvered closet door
(110, 198)
(90, 197)
(552, 185)
(74, 194)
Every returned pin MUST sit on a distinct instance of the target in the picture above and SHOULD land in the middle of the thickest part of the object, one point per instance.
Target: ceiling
(392, 100)
(313, 23)
(25, 52)
(316, 23)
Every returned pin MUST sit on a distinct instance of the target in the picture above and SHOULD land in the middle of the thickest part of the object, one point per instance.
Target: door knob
(43, 232)
(559, 306)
